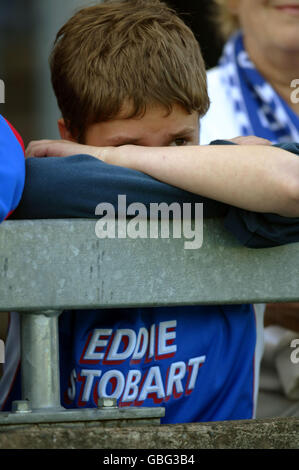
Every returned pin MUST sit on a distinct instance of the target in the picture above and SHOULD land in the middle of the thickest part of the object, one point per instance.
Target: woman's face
(269, 22)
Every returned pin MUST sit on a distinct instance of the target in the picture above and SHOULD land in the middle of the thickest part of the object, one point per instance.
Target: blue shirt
(12, 169)
(197, 362)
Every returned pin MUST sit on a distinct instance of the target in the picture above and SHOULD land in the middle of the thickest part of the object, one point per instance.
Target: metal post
(40, 360)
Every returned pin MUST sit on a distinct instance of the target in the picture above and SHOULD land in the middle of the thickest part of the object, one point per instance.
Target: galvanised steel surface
(50, 265)
(59, 264)
(132, 416)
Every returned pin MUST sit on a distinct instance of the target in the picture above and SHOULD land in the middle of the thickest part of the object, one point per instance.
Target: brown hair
(133, 51)
(226, 21)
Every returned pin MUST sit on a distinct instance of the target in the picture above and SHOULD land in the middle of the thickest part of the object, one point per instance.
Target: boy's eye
(179, 141)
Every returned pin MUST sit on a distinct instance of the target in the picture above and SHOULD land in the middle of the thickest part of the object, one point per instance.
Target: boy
(116, 69)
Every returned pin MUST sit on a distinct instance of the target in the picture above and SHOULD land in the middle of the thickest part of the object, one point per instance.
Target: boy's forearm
(253, 177)
(261, 179)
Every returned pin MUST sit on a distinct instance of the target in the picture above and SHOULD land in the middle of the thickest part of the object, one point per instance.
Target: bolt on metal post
(21, 406)
(105, 403)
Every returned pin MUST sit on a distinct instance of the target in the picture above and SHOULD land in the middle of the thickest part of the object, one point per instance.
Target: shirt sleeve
(262, 230)
(66, 187)
(12, 168)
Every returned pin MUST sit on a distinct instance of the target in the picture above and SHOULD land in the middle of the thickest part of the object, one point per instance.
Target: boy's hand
(63, 148)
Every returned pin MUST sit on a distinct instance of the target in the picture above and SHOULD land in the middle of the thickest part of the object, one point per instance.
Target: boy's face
(154, 129)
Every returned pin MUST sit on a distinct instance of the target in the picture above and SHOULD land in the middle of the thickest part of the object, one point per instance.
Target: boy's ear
(64, 132)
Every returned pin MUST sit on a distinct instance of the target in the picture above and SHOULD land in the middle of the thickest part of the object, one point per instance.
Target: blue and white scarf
(258, 108)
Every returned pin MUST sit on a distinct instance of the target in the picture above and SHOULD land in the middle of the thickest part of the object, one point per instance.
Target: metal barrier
(48, 266)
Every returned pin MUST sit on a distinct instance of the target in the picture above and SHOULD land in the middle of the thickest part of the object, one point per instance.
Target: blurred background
(27, 32)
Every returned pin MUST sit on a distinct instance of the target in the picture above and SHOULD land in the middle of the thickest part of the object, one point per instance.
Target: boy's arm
(272, 221)
(73, 186)
(252, 177)
(262, 230)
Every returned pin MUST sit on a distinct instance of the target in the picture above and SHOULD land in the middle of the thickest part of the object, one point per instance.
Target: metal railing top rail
(61, 264)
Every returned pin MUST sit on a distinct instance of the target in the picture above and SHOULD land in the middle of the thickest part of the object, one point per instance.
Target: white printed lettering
(152, 384)
(120, 335)
(131, 388)
(176, 375)
(165, 336)
(97, 342)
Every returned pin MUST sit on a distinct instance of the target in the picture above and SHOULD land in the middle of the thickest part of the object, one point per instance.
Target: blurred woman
(255, 88)
(254, 91)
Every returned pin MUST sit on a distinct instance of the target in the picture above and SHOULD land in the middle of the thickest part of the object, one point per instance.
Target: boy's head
(128, 72)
